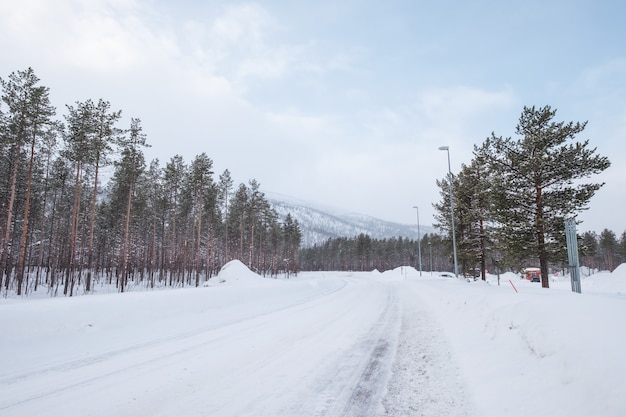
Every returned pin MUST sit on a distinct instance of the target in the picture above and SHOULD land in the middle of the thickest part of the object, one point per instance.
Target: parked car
(447, 275)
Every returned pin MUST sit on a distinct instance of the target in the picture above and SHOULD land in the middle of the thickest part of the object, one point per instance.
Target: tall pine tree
(537, 183)
(29, 112)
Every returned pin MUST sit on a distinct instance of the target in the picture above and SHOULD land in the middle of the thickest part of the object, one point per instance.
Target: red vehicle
(532, 274)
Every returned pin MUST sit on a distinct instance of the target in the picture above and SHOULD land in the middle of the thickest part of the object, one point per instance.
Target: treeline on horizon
(363, 253)
(150, 224)
(602, 252)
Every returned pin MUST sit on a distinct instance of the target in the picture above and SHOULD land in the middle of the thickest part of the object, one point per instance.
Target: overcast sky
(338, 102)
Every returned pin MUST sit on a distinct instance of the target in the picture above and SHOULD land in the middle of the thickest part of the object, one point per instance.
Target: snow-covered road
(336, 345)
(321, 344)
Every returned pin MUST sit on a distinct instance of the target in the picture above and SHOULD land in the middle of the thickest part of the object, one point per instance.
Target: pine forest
(150, 224)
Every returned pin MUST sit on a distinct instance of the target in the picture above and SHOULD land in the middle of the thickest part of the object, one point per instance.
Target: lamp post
(456, 268)
(419, 245)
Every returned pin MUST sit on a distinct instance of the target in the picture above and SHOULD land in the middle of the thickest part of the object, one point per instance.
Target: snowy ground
(321, 344)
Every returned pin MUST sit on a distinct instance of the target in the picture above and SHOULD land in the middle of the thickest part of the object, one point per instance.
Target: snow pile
(606, 282)
(236, 273)
(400, 272)
(620, 270)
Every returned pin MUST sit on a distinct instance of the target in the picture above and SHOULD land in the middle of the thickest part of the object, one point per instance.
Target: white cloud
(102, 36)
(244, 23)
(239, 45)
(462, 103)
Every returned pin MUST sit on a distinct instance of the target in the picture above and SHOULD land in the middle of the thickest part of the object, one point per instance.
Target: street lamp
(456, 268)
(419, 246)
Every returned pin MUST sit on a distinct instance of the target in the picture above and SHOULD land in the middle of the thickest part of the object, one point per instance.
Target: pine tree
(225, 187)
(292, 237)
(237, 221)
(61, 204)
(254, 209)
(105, 134)
(589, 249)
(363, 250)
(610, 248)
(471, 213)
(201, 185)
(133, 163)
(49, 149)
(156, 204)
(622, 248)
(174, 176)
(29, 113)
(533, 187)
(80, 129)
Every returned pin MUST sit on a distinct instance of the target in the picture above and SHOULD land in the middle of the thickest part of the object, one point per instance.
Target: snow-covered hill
(319, 223)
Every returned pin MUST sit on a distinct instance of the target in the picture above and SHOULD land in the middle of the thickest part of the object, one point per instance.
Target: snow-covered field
(321, 344)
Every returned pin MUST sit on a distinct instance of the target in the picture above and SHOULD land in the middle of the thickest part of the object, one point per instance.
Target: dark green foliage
(471, 206)
(609, 248)
(292, 237)
(531, 184)
(362, 253)
(604, 252)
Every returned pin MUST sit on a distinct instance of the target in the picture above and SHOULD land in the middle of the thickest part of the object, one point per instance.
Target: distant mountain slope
(320, 223)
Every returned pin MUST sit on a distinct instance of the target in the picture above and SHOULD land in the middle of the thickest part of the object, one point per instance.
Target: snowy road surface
(328, 345)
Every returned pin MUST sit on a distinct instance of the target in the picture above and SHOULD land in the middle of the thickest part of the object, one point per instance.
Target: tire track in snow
(367, 395)
(425, 380)
(138, 351)
(355, 383)
(160, 340)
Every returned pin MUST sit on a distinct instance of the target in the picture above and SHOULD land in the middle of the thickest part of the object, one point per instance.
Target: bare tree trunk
(125, 241)
(251, 255)
(152, 254)
(173, 248)
(23, 239)
(210, 256)
(42, 224)
(53, 247)
(7, 231)
(163, 254)
(483, 266)
(92, 221)
(199, 236)
(541, 240)
(69, 272)
(241, 238)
